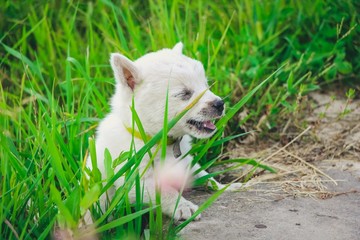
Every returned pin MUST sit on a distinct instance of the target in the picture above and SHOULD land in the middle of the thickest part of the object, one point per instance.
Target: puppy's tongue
(209, 125)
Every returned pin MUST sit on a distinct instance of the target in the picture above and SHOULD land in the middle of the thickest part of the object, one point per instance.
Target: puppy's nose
(219, 105)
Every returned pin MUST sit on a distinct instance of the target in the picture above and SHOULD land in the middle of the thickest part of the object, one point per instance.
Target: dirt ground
(315, 193)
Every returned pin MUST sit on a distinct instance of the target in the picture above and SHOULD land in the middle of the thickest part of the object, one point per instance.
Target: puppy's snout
(218, 105)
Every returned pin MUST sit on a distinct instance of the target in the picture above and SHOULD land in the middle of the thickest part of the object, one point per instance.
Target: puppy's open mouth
(204, 126)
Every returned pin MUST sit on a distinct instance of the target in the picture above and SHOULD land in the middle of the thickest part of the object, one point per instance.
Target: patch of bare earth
(329, 138)
(315, 192)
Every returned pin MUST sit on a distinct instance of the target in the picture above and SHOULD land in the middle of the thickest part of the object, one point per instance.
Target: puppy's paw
(185, 210)
(215, 185)
(234, 187)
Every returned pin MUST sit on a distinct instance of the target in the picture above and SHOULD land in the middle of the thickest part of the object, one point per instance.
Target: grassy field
(56, 81)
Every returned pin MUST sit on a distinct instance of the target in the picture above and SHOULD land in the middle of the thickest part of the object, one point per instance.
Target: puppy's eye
(185, 94)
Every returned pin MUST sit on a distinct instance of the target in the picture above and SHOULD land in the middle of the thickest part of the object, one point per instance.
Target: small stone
(293, 210)
(260, 226)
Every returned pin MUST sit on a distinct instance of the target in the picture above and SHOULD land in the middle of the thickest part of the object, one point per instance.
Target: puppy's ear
(178, 48)
(124, 70)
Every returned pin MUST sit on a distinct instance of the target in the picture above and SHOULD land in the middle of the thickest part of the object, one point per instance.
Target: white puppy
(147, 80)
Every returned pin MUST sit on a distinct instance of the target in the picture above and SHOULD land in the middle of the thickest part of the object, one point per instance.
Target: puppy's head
(150, 78)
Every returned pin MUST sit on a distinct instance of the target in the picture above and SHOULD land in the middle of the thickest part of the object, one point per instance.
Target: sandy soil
(315, 193)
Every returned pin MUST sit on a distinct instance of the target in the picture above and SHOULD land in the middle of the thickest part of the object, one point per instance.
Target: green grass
(56, 82)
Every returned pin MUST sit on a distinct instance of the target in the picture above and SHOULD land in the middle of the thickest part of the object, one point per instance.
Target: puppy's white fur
(147, 80)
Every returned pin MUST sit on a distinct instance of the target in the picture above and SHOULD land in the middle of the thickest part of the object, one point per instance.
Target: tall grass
(56, 82)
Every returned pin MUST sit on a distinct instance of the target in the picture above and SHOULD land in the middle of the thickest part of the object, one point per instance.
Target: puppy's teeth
(209, 125)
